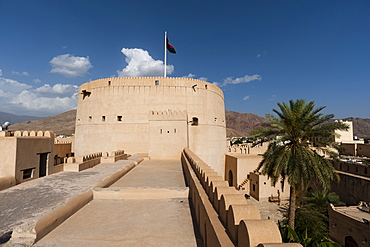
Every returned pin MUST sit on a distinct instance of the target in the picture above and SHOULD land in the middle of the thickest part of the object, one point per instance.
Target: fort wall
(227, 219)
(26, 155)
(154, 115)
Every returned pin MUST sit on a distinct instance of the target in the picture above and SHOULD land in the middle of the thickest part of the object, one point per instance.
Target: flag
(170, 48)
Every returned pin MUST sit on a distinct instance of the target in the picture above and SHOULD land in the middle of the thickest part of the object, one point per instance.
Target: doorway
(43, 164)
(350, 242)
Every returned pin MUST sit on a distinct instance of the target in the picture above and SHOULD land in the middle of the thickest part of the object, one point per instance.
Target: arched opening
(230, 178)
(350, 242)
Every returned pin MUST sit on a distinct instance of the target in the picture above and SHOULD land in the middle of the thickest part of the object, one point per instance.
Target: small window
(254, 187)
(119, 118)
(156, 83)
(365, 170)
(174, 130)
(161, 131)
(206, 86)
(109, 83)
(90, 117)
(103, 118)
(264, 183)
(168, 131)
(195, 121)
(28, 173)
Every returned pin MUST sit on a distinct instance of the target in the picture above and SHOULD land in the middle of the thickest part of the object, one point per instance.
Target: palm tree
(290, 156)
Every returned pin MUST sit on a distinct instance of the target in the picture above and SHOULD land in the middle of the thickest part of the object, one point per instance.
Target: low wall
(91, 160)
(114, 156)
(248, 149)
(344, 225)
(7, 182)
(352, 167)
(82, 162)
(220, 221)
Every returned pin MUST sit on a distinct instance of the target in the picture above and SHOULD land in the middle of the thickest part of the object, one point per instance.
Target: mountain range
(12, 118)
(237, 124)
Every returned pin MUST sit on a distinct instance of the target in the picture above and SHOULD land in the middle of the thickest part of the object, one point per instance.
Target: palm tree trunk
(292, 202)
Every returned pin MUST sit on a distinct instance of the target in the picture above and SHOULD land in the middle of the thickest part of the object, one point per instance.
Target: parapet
(195, 84)
(240, 220)
(33, 133)
(168, 115)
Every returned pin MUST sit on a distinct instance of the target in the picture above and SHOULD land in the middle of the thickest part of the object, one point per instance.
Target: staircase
(243, 183)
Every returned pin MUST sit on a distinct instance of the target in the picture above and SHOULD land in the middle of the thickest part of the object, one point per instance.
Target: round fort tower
(154, 115)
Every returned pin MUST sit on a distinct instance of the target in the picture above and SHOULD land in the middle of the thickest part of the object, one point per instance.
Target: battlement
(34, 134)
(113, 82)
(168, 115)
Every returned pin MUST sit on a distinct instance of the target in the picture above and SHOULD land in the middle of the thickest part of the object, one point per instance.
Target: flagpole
(165, 54)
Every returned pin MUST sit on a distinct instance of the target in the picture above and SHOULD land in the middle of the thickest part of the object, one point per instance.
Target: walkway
(146, 207)
(28, 202)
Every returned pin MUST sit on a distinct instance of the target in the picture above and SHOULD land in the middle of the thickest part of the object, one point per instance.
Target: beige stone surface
(153, 115)
(23, 152)
(253, 232)
(154, 174)
(29, 201)
(164, 222)
(148, 206)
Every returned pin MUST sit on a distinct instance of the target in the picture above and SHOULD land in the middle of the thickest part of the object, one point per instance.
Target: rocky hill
(238, 124)
(361, 127)
(243, 123)
(62, 124)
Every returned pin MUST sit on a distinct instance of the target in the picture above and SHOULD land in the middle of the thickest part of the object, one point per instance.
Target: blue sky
(259, 52)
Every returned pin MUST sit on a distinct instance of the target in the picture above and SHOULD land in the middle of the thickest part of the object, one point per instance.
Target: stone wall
(223, 215)
(26, 155)
(129, 113)
(356, 149)
(344, 226)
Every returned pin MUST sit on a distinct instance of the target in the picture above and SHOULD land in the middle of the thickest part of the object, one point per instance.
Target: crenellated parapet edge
(84, 162)
(25, 133)
(224, 216)
(151, 81)
(168, 115)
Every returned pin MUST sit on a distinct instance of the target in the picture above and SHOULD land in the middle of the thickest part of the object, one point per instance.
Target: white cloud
(57, 89)
(262, 54)
(190, 75)
(273, 97)
(244, 79)
(22, 99)
(140, 63)
(24, 73)
(37, 81)
(11, 86)
(246, 97)
(1, 72)
(70, 66)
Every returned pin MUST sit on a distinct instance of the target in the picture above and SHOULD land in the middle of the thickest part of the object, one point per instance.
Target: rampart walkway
(28, 202)
(146, 207)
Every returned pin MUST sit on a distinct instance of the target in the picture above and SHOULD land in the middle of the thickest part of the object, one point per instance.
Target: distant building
(349, 226)
(24, 156)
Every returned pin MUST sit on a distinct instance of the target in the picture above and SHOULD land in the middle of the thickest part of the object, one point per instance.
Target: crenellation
(241, 221)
